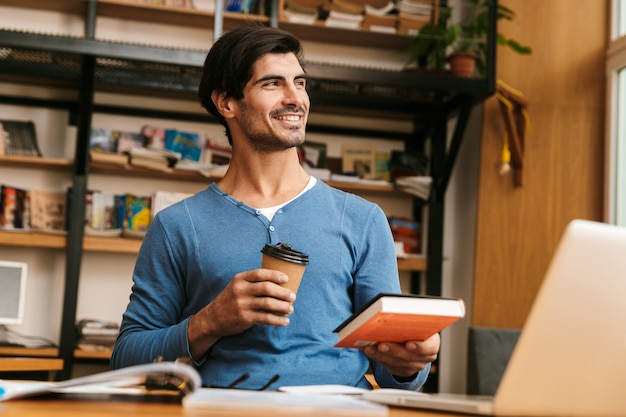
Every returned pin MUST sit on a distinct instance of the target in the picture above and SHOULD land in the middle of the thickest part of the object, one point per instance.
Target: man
(199, 290)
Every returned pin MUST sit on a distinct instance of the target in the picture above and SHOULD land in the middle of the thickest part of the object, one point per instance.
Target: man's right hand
(251, 297)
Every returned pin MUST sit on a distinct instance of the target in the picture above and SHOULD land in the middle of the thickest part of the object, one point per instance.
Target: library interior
(479, 173)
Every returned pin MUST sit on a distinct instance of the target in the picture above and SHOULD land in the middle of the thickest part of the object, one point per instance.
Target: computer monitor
(12, 292)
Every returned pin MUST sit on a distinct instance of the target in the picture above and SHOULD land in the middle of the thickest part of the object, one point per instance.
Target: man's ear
(223, 104)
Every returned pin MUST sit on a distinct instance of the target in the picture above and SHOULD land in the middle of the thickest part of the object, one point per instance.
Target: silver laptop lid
(571, 357)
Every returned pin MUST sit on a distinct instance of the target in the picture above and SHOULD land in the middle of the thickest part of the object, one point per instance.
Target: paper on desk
(283, 404)
(323, 389)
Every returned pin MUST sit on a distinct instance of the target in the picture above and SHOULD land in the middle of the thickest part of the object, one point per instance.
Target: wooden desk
(65, 408)
(30, 364)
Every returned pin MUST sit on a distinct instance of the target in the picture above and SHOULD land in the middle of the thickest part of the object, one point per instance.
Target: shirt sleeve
(378, 273)
(153, 324)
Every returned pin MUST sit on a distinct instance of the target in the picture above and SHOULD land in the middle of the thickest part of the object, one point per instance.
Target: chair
(488, 352)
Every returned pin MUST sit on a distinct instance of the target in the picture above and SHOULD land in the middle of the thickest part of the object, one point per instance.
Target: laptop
(570, 359)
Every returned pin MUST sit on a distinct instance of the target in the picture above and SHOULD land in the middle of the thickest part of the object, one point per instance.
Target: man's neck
(264, 180)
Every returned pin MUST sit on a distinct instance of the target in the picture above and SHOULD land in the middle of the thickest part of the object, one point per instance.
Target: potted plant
(467, 39)
(428, 49)
(471, 42)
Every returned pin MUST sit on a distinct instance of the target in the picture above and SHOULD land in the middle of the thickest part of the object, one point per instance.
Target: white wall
(106, 278)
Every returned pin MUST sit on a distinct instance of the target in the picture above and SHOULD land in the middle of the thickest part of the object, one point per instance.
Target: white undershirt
(270, 211)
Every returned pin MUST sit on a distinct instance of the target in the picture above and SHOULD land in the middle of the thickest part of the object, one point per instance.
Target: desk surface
(30, 364)
(80, 408)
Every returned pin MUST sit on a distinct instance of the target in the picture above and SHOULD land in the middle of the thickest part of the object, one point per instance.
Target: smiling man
(199, 290)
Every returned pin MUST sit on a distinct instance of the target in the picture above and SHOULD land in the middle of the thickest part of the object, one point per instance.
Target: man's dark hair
(229, 64)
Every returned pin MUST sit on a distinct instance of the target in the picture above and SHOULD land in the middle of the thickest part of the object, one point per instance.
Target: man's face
(275, 107)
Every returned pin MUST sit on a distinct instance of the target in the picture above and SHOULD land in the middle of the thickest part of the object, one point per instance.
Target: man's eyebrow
(270, 77)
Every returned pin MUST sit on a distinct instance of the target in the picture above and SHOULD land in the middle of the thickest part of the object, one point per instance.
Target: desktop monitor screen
(12, 291)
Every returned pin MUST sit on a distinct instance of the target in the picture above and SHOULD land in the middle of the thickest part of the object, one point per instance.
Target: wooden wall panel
(563, 80)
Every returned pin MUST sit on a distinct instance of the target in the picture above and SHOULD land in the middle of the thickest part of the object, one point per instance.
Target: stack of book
(418, 185)
(346, 14)
(96, 334)
(157, 159)
(414, 15)
(302, 11)
(380, 19)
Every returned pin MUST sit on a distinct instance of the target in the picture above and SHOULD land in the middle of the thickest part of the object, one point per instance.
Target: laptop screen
(12, 291)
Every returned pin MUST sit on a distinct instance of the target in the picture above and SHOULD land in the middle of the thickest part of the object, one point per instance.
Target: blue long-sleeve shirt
(194, 248)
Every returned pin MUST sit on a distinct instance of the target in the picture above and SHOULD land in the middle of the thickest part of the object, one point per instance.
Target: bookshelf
(52, 352)
(131, 245)
(429, 101)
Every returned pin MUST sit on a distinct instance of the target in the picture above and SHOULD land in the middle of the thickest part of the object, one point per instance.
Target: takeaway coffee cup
(282, 257)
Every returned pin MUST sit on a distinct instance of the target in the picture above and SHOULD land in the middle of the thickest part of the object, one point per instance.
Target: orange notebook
(398, 318)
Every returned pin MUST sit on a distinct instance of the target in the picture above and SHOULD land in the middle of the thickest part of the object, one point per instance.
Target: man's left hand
(405, 359)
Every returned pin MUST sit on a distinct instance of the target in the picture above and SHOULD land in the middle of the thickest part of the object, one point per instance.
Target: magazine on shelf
(18, 138)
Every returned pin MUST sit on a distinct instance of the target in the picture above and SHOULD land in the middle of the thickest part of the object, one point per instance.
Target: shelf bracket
(464, 111)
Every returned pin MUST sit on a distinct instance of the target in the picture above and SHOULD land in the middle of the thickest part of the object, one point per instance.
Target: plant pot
(463, 64)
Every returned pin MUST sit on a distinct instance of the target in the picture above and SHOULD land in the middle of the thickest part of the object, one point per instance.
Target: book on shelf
(203, 168)
(204, 5)
(154, 136)
(380, 19)
(102, 140)
(188, 144)
(128, 140)
(103, 214)
(345, 6)
(18, 137)
(301, 18)
(403, 164)
(385, 9)
(359, 160)
(103, 147)
(14, 207)
(96, 334)
(382, 167)
(301, 11)
(47, 210)
(405, 231)
(413, 15)
(163, 199)
(137, 380)
(119, 159)
(398, 318)
(217, 153)
(384, 24)
(137, 214)
(417, 185)
(156, 159)
(312, 154)
(323, 174)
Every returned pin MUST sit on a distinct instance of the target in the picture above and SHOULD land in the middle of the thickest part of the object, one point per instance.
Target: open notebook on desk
(570, 359)
(176, 377)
